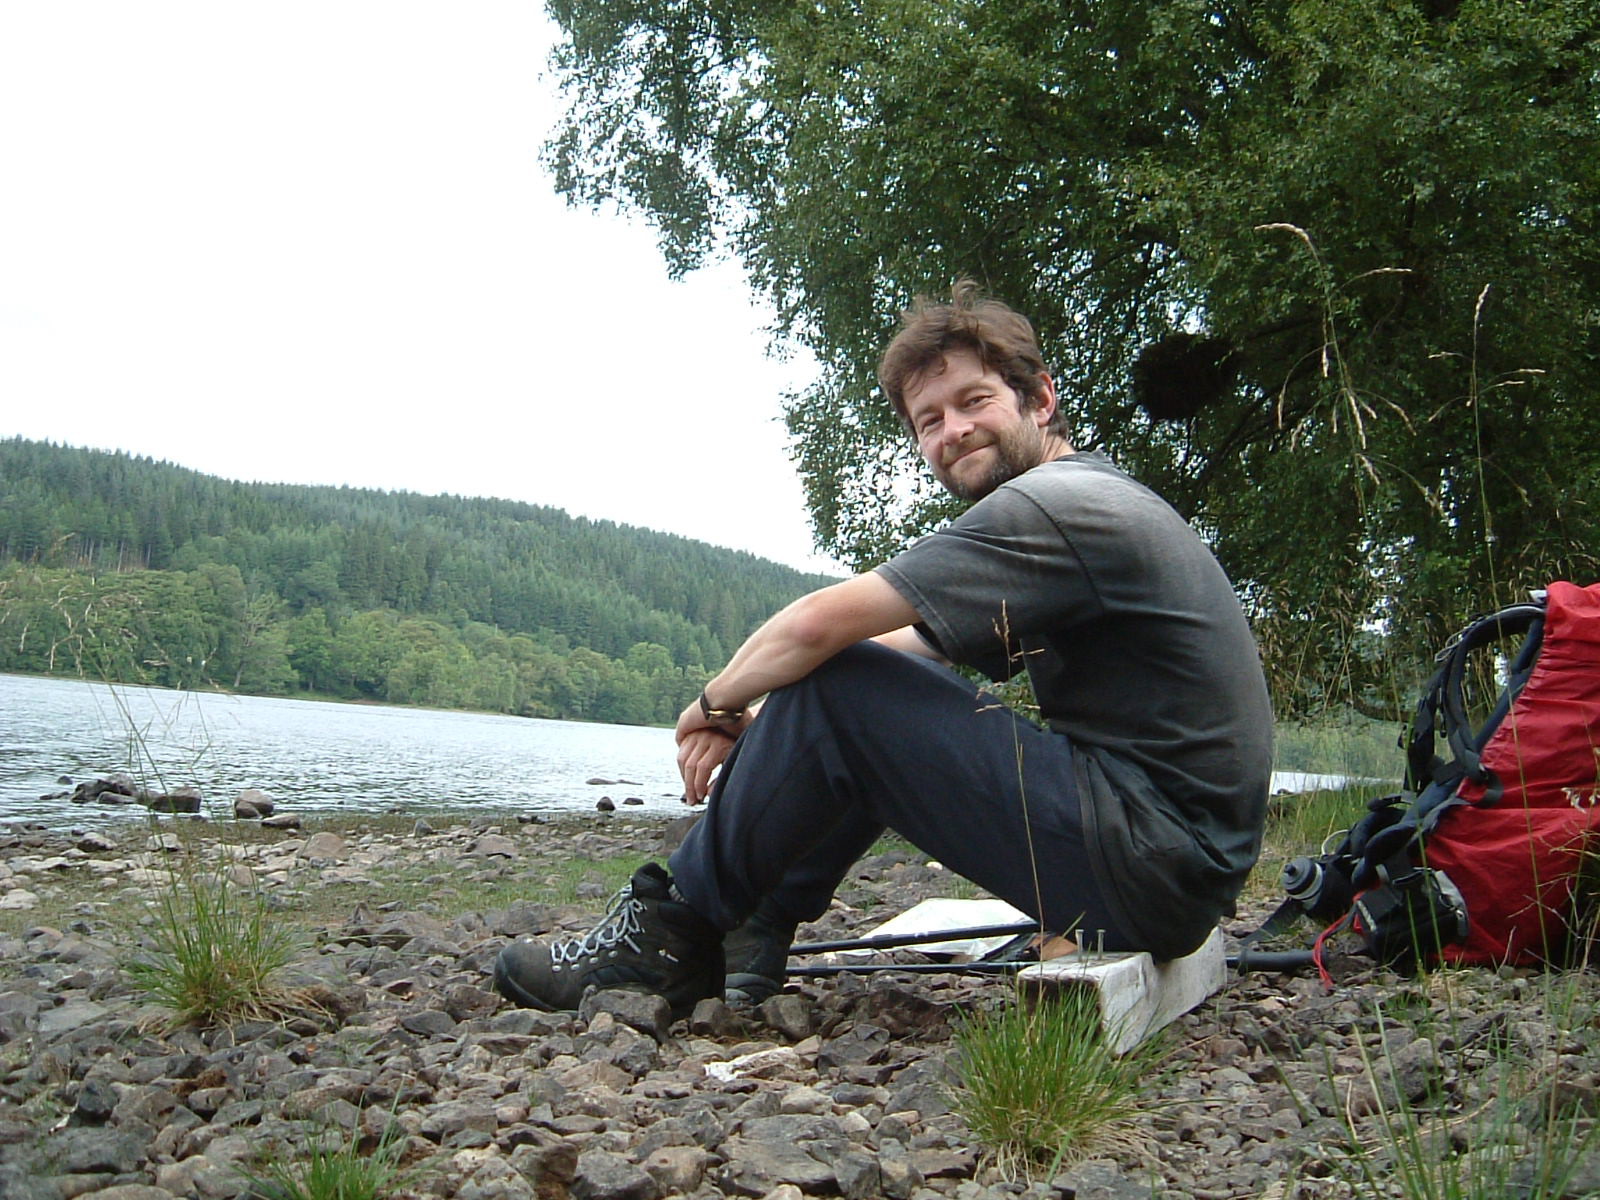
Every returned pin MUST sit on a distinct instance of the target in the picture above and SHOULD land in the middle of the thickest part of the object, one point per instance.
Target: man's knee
(870, 688)
(869, 665)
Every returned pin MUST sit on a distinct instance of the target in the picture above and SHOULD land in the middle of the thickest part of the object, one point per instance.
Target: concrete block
(1137, 995)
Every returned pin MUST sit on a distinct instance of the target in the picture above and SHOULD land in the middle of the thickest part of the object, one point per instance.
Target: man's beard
(1017, 449)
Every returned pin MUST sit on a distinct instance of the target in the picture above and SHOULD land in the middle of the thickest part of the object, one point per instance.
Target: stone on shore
(252, 804)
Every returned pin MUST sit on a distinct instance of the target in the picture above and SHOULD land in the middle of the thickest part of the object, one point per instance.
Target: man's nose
(956, 426)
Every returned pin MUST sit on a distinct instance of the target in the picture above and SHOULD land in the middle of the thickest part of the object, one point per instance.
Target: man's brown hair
(1000, 337)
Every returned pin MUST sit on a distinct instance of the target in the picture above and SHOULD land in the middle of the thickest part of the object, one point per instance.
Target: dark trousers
(877, 739)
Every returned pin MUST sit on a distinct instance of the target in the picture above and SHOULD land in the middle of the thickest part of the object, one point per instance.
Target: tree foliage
(137, 571)
(1327, 275)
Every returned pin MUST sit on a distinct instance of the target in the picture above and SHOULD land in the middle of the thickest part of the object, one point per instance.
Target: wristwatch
(720, 716)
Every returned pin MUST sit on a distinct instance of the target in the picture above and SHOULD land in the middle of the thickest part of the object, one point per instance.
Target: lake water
(313, 756)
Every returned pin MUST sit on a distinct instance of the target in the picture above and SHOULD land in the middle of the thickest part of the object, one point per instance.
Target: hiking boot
(757, 956)
(650, 940)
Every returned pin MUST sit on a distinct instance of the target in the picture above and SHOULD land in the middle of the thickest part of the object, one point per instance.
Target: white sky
(310, 241)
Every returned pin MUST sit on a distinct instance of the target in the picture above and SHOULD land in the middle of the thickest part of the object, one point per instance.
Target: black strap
(1443, 702)
(1465, 742)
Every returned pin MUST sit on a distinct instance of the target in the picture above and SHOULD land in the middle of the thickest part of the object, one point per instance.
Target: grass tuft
(339, 1172)
(214, 952)
(1039, 1085)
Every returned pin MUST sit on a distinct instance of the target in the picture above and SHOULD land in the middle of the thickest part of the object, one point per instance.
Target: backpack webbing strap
(1444, 702)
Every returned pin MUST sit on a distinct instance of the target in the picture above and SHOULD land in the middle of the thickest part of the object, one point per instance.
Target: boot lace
(620, 924)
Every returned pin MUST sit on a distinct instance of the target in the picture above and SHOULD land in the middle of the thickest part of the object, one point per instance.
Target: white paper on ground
(937, 916)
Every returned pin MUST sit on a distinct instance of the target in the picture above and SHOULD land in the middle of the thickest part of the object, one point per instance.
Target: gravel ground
(1274, 1087)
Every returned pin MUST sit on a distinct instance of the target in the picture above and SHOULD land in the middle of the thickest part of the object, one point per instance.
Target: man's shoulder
(1080, 469)
(1086, 478)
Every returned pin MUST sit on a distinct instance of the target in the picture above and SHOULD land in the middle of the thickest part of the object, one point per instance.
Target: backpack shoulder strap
(1443, 702)
(1465, 743)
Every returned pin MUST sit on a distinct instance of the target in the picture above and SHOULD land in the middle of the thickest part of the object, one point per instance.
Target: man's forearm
(803, 636)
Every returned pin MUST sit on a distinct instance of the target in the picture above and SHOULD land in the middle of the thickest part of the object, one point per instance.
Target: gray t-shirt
(1139, 652)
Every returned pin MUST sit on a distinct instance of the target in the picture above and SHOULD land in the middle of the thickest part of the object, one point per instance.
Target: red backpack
(1478, 860)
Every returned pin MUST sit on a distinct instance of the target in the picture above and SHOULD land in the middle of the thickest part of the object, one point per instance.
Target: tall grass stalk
(1038, 1083)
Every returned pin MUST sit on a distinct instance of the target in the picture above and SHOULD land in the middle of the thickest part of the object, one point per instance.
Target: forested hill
(128, 568)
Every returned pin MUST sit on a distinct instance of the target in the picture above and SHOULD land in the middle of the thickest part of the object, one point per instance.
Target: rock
(1099, 1180)
(69, 1016)
(550, 1168)
(803, 1100)
(858, 1175)
(444, 1121)
(132, 1191)
(114, 789)
(281, 821)
(323, 847)
(711, 1018)
(633, 800)
(96, 1100)
(252, 804)
(923, 1087)
(94, 842)
(756, 1166)
(605, 804)
(315, 1101)
(494, 845)
(92, 1151)
(524, 918)
(790, 1015)
(898, 1176)
(605, 1176)
(646, 1013)
(678, 1170)
(430, 1022)
(179, 800)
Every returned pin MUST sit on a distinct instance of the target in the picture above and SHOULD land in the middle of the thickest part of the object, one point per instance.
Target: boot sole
(509, 988)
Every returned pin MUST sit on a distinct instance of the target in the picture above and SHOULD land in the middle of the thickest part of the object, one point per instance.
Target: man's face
(971, 426)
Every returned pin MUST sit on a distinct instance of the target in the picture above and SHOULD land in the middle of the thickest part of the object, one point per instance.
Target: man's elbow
(826, 621)
(814, 627)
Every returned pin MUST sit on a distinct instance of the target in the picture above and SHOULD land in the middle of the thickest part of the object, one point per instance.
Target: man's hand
(700, 752)
(786, 648)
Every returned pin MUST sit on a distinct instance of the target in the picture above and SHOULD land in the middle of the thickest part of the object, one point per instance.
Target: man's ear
(1044, 401)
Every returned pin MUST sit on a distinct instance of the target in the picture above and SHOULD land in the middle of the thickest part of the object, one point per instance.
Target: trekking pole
(971, 968)
(1270, 960)
(1261, 960)
(891, 941)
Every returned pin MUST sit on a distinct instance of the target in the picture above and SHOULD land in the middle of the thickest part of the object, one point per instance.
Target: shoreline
(1265, 1088)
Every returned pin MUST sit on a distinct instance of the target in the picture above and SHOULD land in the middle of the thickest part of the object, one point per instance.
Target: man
(1136, 808)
